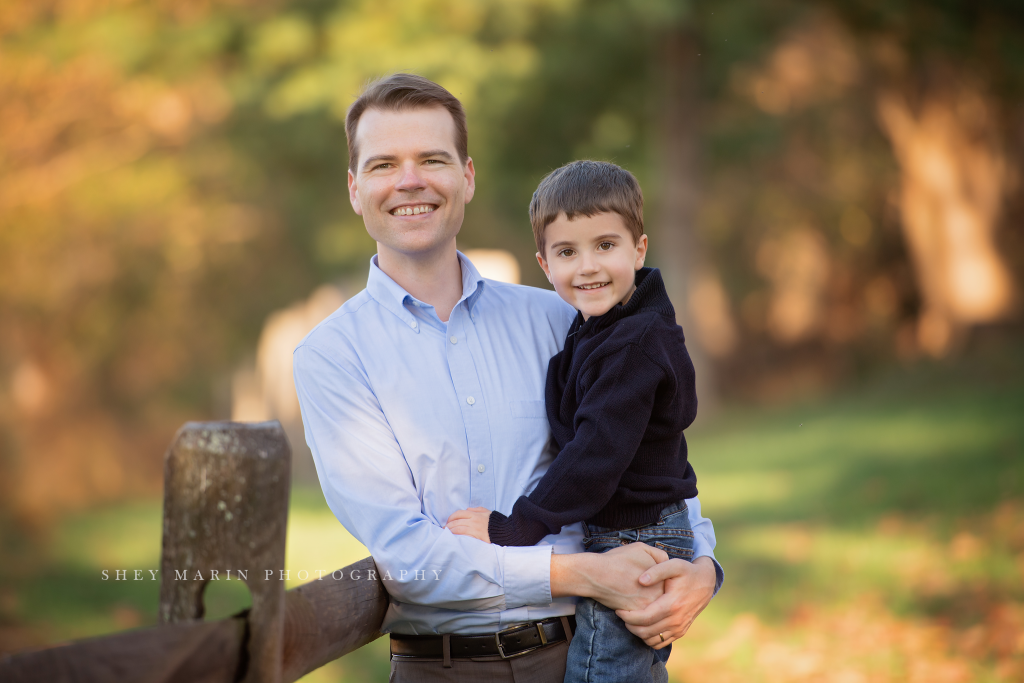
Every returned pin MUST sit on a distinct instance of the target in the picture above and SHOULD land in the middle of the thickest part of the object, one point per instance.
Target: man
(423, 395)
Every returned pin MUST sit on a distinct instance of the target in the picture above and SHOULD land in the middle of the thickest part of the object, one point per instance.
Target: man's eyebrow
(377, 159)
(372, 161)
(436, 153)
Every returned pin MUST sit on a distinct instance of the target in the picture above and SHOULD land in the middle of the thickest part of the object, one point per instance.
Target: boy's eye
(566, 252)
(605, 246)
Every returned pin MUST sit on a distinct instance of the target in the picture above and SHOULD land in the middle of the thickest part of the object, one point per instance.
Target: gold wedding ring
(662, 636)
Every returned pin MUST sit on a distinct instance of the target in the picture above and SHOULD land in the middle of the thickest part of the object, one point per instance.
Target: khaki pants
(546, 665)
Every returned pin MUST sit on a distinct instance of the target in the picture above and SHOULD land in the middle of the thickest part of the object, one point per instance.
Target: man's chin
(428, 247)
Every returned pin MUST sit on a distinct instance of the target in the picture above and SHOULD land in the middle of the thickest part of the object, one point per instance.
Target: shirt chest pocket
(528, 409)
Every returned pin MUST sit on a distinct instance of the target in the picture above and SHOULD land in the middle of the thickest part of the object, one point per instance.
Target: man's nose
(410, 180)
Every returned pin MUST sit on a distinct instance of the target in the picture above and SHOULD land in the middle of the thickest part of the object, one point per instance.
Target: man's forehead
(407, 130)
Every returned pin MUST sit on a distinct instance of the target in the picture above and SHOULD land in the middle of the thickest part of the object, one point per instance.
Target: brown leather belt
(507, 643)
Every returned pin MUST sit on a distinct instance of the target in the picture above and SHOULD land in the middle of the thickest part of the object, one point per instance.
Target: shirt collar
(393, 296)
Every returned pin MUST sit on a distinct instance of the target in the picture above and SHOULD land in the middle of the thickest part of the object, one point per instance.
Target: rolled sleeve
(704, 539)
(528, 575)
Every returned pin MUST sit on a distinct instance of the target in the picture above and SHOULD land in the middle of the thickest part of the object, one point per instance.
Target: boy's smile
(592, 261)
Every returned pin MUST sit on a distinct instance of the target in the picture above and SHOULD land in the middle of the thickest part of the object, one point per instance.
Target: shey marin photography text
(269, 574)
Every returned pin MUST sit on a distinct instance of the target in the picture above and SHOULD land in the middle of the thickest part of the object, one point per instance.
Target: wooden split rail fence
(226, 488)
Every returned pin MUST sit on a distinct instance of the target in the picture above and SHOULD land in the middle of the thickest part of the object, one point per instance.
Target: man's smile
(412, 210)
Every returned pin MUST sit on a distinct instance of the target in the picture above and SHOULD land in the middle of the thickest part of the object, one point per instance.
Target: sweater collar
(650, 295)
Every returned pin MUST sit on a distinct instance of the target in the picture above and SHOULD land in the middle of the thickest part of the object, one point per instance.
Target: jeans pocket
(600, 544)
(676, 552)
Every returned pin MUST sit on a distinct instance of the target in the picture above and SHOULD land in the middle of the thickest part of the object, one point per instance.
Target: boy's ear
(641, 252)
(544, 267)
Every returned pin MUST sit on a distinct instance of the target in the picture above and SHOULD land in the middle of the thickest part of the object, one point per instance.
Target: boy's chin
(594, 311)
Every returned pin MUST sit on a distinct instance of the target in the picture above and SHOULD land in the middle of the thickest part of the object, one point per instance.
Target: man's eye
(384, 165)
(434, 161)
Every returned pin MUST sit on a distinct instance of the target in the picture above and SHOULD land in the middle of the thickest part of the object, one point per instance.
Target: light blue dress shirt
(410, 419)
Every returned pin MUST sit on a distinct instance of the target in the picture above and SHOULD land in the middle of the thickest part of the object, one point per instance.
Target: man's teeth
(412, 210)
(594, 286)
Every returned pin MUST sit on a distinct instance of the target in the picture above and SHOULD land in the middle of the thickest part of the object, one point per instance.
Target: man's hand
(611, 577)
(688, 589)
(471, 522)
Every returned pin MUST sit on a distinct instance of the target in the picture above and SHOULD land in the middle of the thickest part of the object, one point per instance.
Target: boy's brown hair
(587, 188)
(405, 91)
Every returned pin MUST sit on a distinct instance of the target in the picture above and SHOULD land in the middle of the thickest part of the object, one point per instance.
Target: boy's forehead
(584, 227)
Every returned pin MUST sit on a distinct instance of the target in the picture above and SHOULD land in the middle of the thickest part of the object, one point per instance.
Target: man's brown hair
(405, 91)
(587, 188)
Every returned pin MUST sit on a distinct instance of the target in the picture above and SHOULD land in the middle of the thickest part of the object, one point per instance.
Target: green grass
(905, 494)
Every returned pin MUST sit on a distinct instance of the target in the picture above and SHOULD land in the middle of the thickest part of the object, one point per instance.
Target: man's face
(409, 186)
(592, 261)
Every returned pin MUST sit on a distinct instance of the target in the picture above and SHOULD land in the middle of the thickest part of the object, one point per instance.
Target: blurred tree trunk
(693, 284)
(954, 180)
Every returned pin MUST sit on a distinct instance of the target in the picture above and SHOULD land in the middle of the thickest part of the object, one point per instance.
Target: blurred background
(833, 193)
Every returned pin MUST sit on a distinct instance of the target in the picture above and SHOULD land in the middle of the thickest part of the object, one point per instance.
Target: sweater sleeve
(609, 425)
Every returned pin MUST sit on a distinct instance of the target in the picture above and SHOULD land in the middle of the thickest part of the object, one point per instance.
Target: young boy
(618, 396)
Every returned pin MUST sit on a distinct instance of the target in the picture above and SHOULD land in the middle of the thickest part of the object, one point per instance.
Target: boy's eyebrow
(599, 238)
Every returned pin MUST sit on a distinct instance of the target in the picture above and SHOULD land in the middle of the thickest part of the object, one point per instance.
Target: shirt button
(480, 469)
(470, 400)
(413, 325)
(454, 339)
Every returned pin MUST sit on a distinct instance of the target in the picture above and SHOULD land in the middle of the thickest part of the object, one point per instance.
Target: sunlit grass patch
(860, 641)
(874, 536)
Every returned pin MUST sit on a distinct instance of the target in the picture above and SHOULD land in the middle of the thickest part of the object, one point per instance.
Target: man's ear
(544, 267)
(353, 194)
(469, 172)
(641, 252)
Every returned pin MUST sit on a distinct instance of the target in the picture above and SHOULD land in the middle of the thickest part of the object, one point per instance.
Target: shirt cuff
(702, 548)
(527, 574)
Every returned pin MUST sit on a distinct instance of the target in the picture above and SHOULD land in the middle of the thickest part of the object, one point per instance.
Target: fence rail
(225, 506)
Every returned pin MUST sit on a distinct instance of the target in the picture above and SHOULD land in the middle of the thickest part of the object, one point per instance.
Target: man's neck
(434, 279)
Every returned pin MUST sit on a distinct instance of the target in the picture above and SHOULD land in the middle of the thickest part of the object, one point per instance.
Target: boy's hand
(471, 522)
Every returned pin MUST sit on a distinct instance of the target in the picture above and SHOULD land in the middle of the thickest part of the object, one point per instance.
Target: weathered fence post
(225, 507)
(214, 521)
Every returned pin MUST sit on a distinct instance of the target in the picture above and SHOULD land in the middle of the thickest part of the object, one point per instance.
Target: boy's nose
(587, 265)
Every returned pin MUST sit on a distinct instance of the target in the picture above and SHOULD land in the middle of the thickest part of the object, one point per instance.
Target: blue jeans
(602, 649)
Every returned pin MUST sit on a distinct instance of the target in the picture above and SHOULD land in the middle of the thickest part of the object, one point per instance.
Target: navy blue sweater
(619, 395)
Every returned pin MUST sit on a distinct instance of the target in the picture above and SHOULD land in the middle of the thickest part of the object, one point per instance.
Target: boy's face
(592, 261)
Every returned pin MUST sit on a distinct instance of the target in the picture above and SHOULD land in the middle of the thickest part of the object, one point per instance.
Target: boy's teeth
(412, 210)
(600, 284)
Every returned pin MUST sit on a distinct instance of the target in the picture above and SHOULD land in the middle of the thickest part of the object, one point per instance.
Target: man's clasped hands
(651, 593)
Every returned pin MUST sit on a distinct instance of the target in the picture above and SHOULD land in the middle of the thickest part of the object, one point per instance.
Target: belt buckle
(510, 629)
